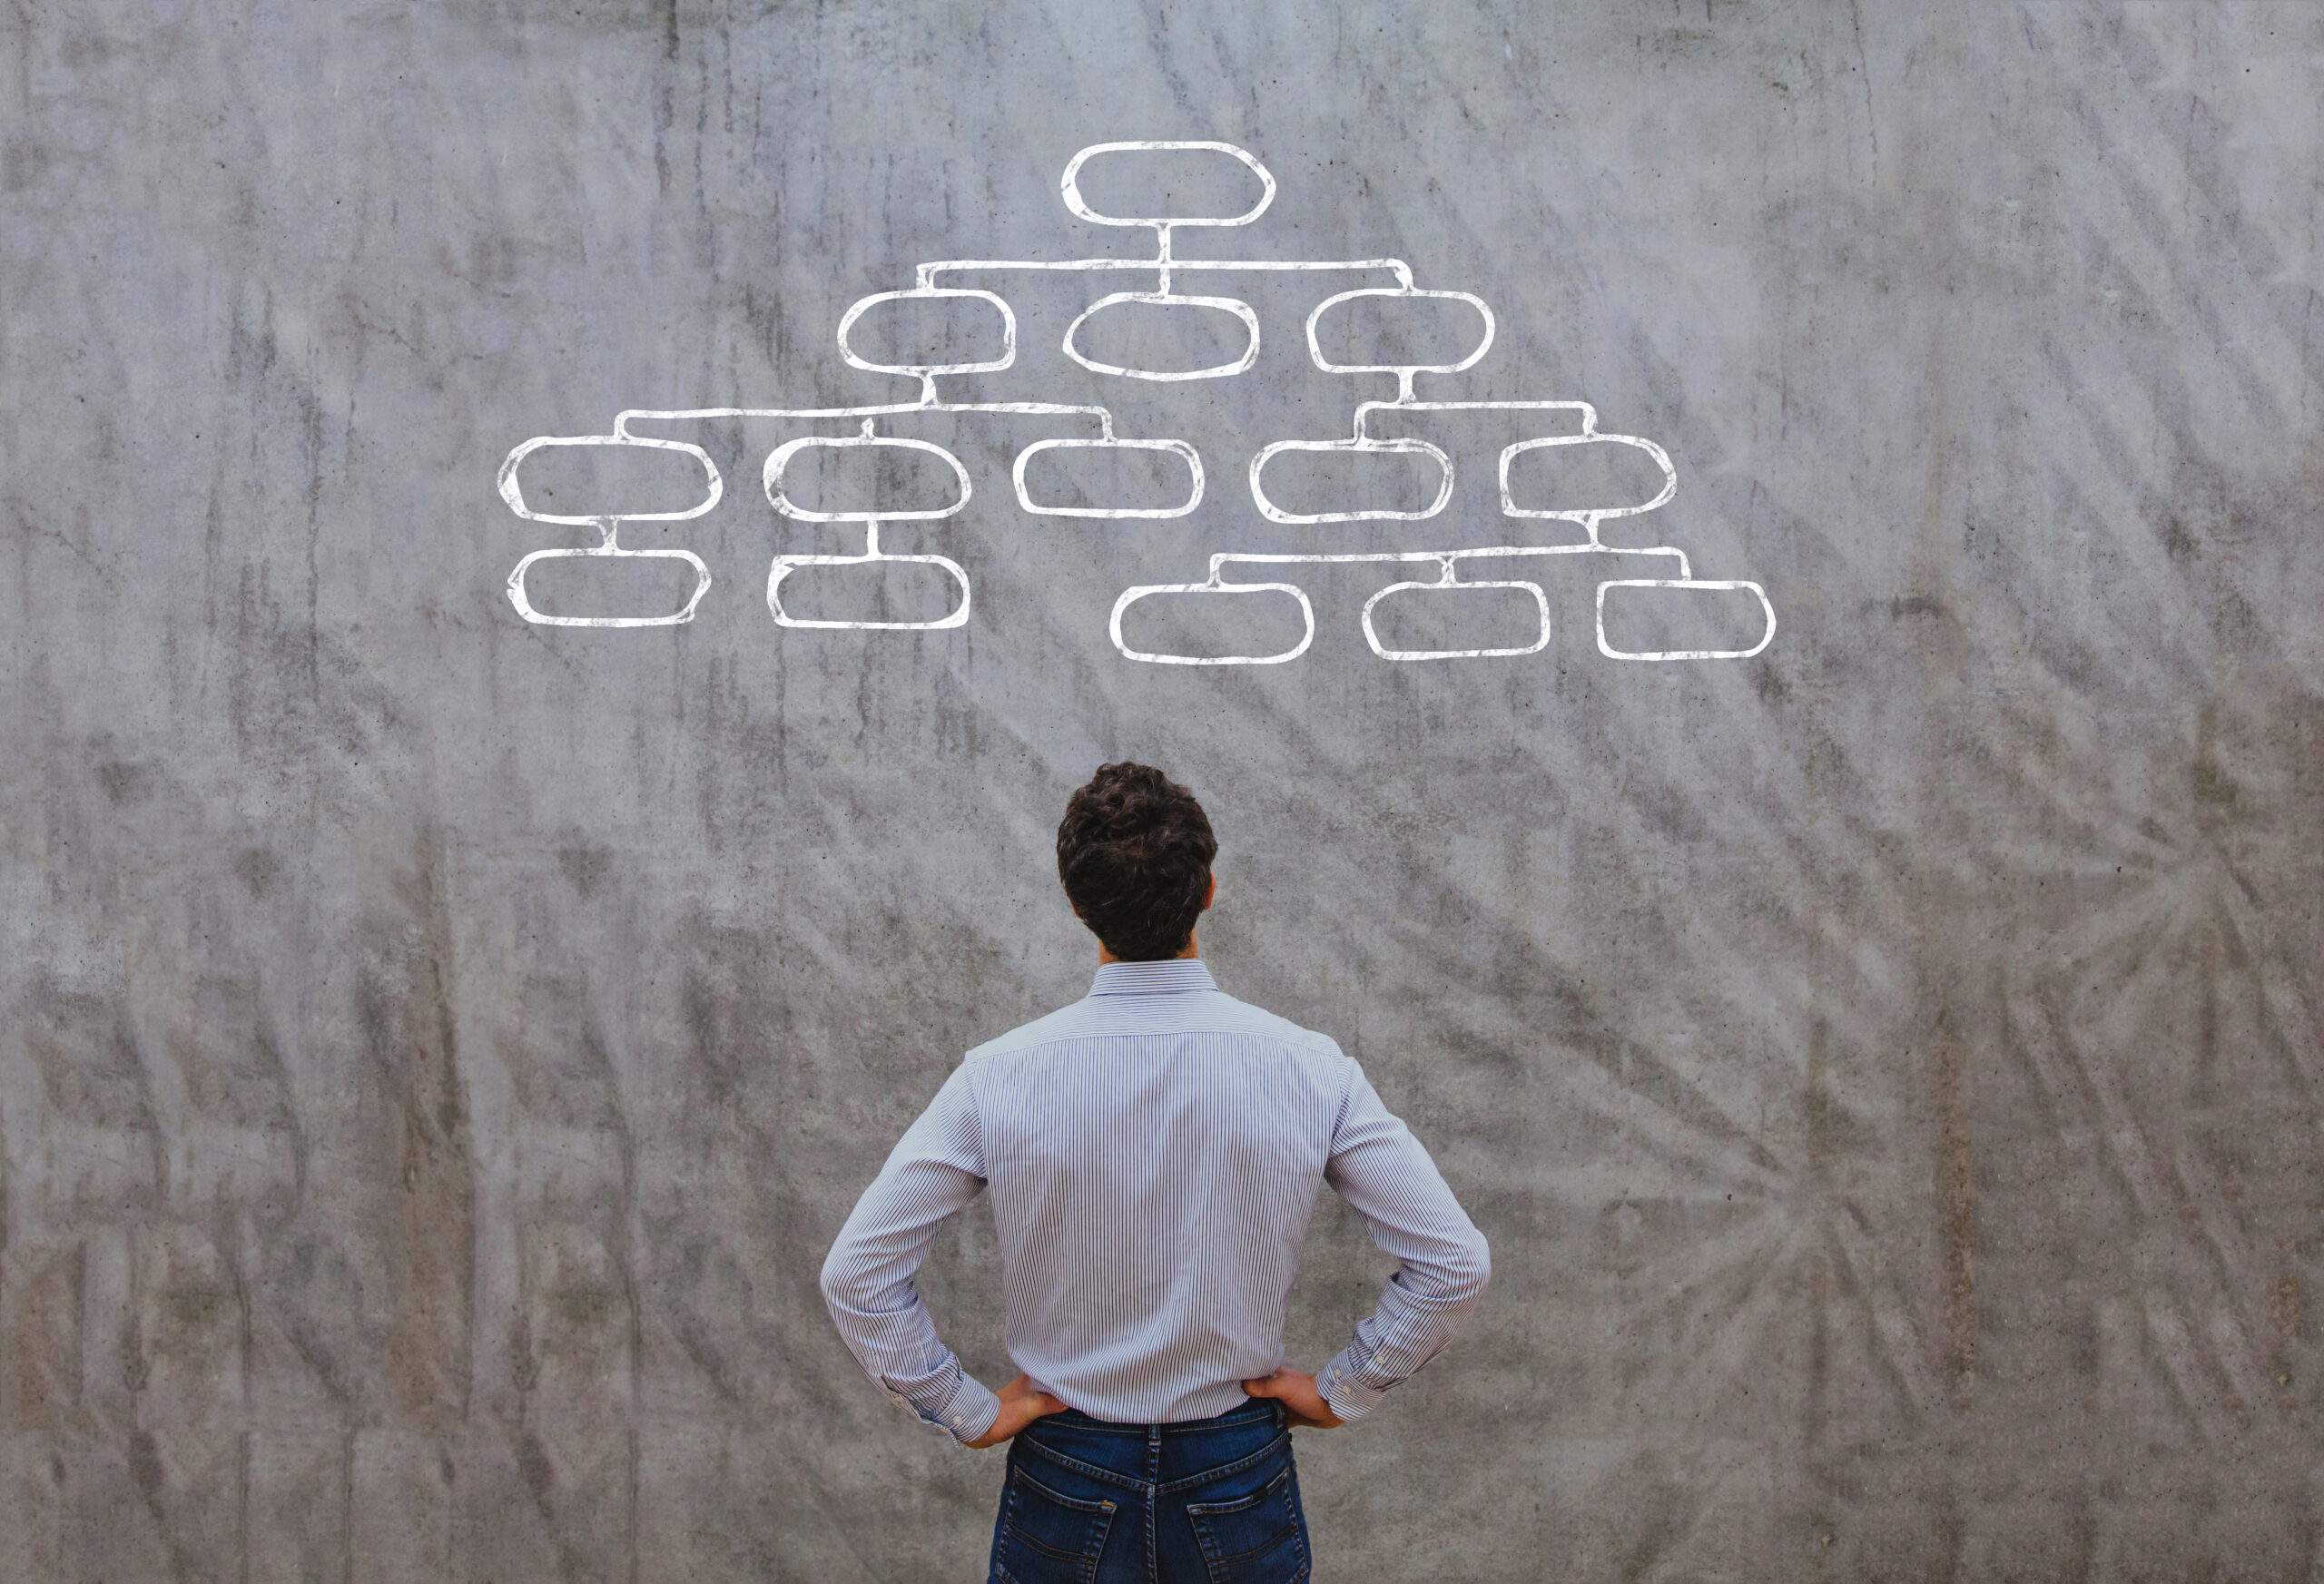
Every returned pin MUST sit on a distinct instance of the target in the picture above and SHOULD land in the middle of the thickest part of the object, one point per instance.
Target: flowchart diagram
(1232, 574)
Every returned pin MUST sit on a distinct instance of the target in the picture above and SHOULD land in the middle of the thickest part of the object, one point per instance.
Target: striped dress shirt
(1153, 1153)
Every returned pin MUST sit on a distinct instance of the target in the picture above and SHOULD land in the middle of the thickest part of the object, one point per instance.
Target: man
(1154, 1153)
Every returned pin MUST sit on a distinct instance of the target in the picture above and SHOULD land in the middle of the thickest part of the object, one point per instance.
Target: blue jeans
(1208, 1501)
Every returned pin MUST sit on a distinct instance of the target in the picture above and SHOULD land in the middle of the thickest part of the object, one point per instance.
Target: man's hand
(1019, 1406)
(1301, 1401)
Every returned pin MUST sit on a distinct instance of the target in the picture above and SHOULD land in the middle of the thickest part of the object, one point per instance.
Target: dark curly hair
(1134, 851)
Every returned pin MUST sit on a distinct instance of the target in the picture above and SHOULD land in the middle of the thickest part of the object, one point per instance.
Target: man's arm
(935, 1168)
(1387, 1177)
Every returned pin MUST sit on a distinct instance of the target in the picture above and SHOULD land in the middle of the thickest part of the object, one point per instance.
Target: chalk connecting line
(1445, 566)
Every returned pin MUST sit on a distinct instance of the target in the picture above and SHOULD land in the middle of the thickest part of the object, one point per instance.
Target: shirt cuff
(1350, 1398)
(971, 1412)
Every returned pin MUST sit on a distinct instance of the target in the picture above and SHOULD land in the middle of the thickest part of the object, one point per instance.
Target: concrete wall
(437, 1050)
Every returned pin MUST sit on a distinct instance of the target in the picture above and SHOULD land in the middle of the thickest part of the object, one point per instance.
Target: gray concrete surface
(437, 1050)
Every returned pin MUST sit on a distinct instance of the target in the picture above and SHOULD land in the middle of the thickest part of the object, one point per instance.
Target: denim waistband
(1257, 1408)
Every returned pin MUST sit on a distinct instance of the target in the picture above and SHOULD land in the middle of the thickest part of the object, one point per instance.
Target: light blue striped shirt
(1154, 1153)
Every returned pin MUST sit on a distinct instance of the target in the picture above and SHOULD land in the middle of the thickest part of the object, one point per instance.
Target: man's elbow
(1470, 1270)
(842, 1287)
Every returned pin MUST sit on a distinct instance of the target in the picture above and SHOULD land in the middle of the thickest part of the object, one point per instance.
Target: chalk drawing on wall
(784, 566)
(609, 530)
(1232, 572)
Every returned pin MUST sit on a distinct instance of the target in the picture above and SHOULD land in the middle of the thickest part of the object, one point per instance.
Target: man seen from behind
(1154, 1153)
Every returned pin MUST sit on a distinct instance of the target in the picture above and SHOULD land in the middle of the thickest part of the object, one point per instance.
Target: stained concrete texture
(438, 1049)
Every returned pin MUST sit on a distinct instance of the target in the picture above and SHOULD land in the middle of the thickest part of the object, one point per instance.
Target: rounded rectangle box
(1131, 596)
(1691, 585)
(1316, 346)
(780, 457)
(1540, 602)
(519, 596)
(1402, 448)
(1226, 305)
(1180, 449)
(785, 566)
(863, 305)
(1587, 517)
(512, 489)
(1070, 185)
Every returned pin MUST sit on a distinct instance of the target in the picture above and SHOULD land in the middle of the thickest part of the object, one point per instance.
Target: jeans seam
(1092, 1470)
(1153, 1502)
(1282, 1439)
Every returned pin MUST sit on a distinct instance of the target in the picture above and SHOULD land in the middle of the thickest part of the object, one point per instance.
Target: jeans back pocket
(1256, 1538)
(1048, 1537)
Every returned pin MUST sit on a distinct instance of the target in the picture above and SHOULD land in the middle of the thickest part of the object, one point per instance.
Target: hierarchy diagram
(1420, 573)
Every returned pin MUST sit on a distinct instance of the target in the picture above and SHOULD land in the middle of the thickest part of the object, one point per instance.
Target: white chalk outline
(1275, 514)
(512, 492)
(1070, 188)
(1166, 266)
(1070, 185)
(1588, 517)
(777, 459)
(524, 603)
(1241, 310)
(1175, 447)
(1682, 581)
(1131, 596)
(1167, 300)
(784, 566)
(1403, 372)
(926, 373)
(1447, 562)
(1449, 580)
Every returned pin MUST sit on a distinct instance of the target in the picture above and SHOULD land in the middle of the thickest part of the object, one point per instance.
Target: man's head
(1134, 851)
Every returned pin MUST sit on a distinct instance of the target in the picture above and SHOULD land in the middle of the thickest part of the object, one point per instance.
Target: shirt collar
(1178, 974)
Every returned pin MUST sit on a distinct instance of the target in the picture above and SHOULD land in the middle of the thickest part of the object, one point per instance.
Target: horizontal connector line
(688, 414)
(1496, 551)
(1028, 409)
(926, 274)
(1404, 271)
(883, 410)
(1222, 559)
(1588, 413)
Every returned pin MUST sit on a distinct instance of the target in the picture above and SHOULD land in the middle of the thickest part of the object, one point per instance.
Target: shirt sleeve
(937, 1168)
(1387, 1177)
